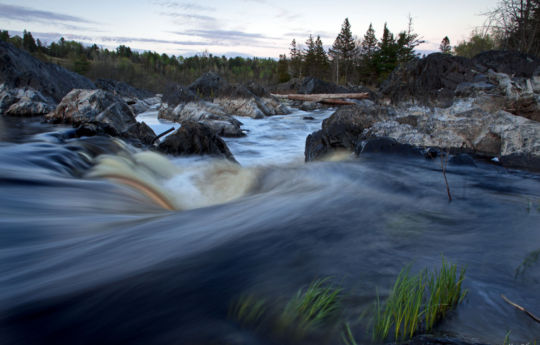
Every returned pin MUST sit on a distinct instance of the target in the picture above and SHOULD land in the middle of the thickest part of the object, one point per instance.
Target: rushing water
(89, 260)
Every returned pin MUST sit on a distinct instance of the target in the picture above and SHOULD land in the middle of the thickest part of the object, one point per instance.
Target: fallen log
(319, 97)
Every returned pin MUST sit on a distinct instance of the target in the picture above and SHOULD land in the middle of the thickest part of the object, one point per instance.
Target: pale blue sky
(251, 27)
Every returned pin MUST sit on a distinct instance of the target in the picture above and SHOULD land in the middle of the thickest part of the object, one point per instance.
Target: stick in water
(535, 318)
(162, 134)
(443, 167)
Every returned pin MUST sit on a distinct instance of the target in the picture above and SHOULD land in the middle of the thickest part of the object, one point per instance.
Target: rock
(211, 114)
(473, 89)
(175, 94)
(386, 145)
(18, 69)
(312, 85)
(462, 159)
(431, 80)
(514, 139)
(24, 102)
(194, 138)
(209, 85)
(122, 89)
(342, 130)
(308, 118)
(309, 106)
(141, 105)
(102, 109)
(508, 62)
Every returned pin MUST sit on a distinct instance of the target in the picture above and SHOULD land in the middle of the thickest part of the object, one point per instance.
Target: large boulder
(18, 69)
(431, 80)
(104, 111)
(514, 140)
(210, 114)
(122, 89)
(509, 62)
(343, 128)
(24, 102)
(194, 138)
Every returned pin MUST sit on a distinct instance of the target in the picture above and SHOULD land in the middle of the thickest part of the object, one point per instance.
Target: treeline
(349, 60)
(146, 70)
(512, 25)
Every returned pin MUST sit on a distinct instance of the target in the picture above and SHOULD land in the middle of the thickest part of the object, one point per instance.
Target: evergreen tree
(406, 43)
(445, 46)
(310, 58)
(321, 60)
(28, 42)
(4, 35)
(296, 60)
(344, 50)
(369, 44)
(282, 69)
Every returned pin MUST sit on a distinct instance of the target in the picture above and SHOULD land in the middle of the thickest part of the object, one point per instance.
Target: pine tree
(385, 60)
(369, 44)
(445, 46)
(321, 59)
(296, 60)
(344, 50)
(310, 58)
(406, 43)
(28, 42)
(282, 69)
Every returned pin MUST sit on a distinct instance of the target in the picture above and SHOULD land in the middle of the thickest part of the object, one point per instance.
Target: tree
(445, 46)
(4, 35)
(369, 43)
(296, 60)
(477, 43)
(321, 60)
(28, 42)
(344, 50)
(385, 59)
(310, 58)
(282, 69)
(516, 25)
(406, 43)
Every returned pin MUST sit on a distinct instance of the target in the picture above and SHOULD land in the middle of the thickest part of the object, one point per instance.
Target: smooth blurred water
(91, 261)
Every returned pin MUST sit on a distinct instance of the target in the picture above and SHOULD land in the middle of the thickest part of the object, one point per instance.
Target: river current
(90, 260)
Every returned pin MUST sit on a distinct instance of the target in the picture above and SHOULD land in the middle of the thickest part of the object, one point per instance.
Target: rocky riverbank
(445, 103)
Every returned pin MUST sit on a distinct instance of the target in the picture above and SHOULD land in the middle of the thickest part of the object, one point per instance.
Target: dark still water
(89, 260)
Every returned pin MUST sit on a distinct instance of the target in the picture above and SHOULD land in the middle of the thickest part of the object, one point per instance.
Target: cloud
(189, 16)
(21, 13)
(184, 6)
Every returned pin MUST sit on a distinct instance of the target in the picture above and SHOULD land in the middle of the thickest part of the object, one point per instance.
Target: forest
(350, 60)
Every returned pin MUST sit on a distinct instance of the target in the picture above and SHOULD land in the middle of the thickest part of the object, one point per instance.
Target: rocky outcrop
(509, 62)
(99, 111)
(24, 102)
(122, 89)
(18, 69)
(194, 138)
(207, 113)
(458, 129)
(311, 85)
(212, 101)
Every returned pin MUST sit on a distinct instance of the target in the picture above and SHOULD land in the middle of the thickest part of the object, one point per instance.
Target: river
(87, 260)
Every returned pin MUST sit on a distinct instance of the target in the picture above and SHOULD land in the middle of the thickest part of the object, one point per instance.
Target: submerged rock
(194, 138)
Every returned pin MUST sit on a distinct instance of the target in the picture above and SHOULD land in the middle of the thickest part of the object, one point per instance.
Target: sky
(262, 28)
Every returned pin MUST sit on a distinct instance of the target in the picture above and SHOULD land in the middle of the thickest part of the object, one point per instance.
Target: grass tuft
(319, 303)
(249, 310)
(418, 302)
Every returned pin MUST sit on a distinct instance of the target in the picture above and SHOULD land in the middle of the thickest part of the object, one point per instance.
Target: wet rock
(342, 130)
(309, 106)
(175, 94)
(210, 114)
(24, 102)
(18, 69)
(462, 159)
(386, 145)
(308, 118)
(141, 105)
(514, 139)
(209, 85)
(81, 107)
(194, 138)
